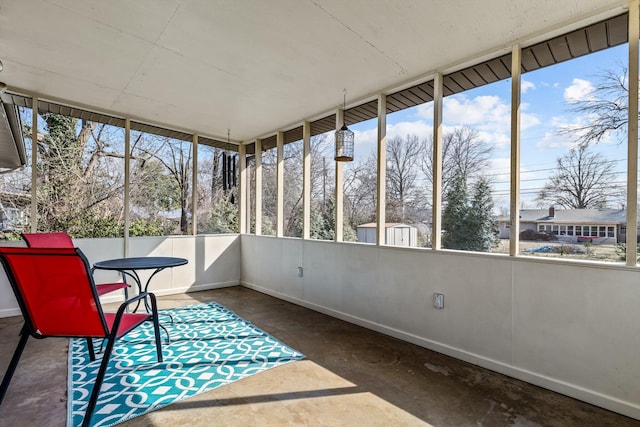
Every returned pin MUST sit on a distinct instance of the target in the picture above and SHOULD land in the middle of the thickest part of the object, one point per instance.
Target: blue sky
(545, 110)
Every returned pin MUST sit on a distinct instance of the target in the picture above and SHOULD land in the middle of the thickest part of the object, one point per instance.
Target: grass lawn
(556, 249)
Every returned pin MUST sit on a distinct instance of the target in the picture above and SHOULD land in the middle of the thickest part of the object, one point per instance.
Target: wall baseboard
(626, 408)
(119, 297)
(10, 312)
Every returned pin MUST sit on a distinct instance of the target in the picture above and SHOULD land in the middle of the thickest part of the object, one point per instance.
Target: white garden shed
(396, 234)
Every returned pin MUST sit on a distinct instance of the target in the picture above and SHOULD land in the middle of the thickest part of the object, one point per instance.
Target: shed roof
(387, 225)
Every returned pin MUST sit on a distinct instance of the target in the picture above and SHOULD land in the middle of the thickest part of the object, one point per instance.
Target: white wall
(214, 261)
(570, 327)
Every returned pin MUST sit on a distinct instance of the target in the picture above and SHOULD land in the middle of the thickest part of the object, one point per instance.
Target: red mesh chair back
(55, 291)
(60, 239)
(56, 239)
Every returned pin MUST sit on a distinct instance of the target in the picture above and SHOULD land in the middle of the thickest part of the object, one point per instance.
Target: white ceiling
(256, 66)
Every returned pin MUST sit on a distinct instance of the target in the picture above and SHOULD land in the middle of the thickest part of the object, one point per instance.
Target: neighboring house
(14, 209)
(395, 234)
(600, 226)
(13, 219)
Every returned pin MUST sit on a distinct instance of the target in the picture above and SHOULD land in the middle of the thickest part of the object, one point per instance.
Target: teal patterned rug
(210, 347)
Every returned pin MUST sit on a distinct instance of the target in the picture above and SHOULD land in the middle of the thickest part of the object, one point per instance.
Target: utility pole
(324, 182)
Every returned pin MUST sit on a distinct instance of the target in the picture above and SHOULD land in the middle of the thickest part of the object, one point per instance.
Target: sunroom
(208, 132)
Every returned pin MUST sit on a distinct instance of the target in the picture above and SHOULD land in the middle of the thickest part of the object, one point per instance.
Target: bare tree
(402, 160)
(360, 191)
(583, 181)
(605, 107)
(79, 180)
(163, 171)
(464, 154)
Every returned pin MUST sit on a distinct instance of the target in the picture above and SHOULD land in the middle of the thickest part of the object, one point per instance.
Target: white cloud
(500, 167)
(580, 90)
(489, 115)
(552, 140)
(557, 136)
(482, 110)
(525, 85)
(402, 129)
(366, 142)
(425, 110)
(499, 178)
(527, 120)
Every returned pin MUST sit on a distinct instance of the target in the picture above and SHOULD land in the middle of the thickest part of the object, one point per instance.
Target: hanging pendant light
(344, 139)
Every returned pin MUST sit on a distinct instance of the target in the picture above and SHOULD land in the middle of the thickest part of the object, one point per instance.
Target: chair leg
(92, 353)
(24, 336)
(99, 378)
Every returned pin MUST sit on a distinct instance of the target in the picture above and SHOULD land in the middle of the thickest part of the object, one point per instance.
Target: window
(80, 176)
(360, 189)
(160, 192)
(15, 199)
(567, 171)
(409, 184)
(476, 168)
(322, 225)
(269, 188)
(217, 190)
(293, 162)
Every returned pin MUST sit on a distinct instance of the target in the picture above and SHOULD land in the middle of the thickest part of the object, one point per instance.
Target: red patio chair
(58, 298)
(60, 239)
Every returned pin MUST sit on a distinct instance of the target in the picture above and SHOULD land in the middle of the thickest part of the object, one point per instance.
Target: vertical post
(339, 189)
(127, 183)
(258, 187)
(34, 164)
(242, 189)
(436, 213)
(194, 187)
(306, 180)
(514, 210)
(632, 135)
(382, 172)
(280, 184)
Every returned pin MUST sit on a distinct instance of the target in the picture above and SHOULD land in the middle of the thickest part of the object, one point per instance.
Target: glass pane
(251, 191)
(80, 177)
(217, 190)
(160, 185)
(15, 204)
(360, 185)
(269, 191)
(322, 187)
(476, 169)
(409, 176)
(293, 162)
(573, 160)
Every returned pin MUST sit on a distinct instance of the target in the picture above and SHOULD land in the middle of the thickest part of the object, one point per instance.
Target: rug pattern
(210, 347)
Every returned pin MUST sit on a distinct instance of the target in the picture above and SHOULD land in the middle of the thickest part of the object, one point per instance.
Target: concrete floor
(351, 377)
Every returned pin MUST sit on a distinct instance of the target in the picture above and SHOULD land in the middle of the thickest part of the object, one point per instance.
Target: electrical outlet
(300, 271)
(438, 300)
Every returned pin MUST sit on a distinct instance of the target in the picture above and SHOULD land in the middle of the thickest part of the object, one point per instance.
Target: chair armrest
(130, 301)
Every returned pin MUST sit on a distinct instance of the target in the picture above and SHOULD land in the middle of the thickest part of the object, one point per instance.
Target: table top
(140, 263)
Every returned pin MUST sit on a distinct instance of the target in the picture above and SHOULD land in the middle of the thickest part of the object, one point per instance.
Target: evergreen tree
(483, 230)
(454, 217)
(224, 218)
(469, 225)
(323, 224)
